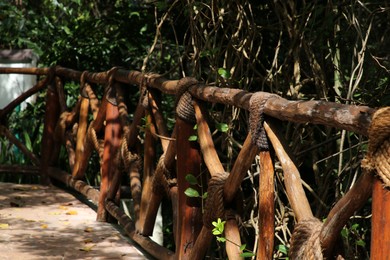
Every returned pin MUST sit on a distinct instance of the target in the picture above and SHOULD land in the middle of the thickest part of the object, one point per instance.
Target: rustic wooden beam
(61, 94)
(88, 191)
(233, 243)
(266, 207)
(158, 118)
(209, 153)
(352, 201)
(149, 202)
(16, 169)
(189, 209)
(5, 132)
(52, 112)
(380, 222)
(112, 141)
(241, 165)
(347, 117)
(292, 180)
(97, 125)
(80, 138)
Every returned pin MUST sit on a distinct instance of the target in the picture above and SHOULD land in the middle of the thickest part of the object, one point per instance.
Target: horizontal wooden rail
(347, 117)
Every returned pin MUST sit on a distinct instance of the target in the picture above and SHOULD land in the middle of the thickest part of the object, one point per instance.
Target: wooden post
(145, 225)
(380, 233)
(81, 135)
(52, 113)
(112, 140)
(189, 209)
(266, 207)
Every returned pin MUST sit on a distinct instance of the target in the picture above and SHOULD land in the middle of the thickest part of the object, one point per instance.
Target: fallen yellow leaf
(87, 248)
(54, 213)
(4, 226)
(88, 229)
(44, 226)
(71, 212)
(63, 207)
(88, 240)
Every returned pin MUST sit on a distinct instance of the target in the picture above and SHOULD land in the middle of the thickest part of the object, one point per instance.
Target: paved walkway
(38, 222)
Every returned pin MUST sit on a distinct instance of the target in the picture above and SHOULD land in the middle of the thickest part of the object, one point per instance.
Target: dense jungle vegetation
(335, 51)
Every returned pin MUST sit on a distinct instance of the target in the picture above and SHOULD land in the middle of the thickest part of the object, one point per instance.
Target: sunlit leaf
(193, 138)
(87, 248)
(190, 192)
(282, 248)
(71, 212)
(4, 226)
(222, 127)
(224, 73)
(221, 239)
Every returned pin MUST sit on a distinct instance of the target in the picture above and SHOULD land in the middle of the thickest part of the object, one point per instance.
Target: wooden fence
(114, 137)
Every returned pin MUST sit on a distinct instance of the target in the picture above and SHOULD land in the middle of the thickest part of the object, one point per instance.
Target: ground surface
(38, 222)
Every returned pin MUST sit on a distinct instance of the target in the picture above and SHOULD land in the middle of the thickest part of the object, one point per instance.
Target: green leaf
(224, 73)
(192, 193)
(355, 226)
(204, 196)
(143, 29)
(191, 179)
(27, 140)
(361, 243)
(222, 127)
(195, 127)
(193, 138)
(242, 247)
(221, 239)
(247, 254)
(344, 233)
(216, 232)
(283, 249)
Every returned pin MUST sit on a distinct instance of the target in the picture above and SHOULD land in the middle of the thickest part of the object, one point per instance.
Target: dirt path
(38, 222)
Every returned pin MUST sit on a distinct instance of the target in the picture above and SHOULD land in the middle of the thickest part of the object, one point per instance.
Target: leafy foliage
(323, 50)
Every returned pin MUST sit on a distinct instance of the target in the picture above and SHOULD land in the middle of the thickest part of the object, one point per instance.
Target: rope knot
(215, 207)
(378, 153)
(162, 178)
(256, 119)
(83, 81)
(184, 108)
(110, 89)
(305, 240)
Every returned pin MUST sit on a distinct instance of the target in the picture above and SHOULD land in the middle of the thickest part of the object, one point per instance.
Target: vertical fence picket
(145, 225)
(112, 138)
(52, 112)
(266, 207)
(189, 209)
(380, 233)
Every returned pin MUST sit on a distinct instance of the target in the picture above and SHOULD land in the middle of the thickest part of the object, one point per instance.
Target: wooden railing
(114, 137)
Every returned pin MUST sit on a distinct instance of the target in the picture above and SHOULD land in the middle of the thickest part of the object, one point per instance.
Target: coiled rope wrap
(305, 240)
(256, 119)
(377, 158)
(215, 207)
(184, 107)
(162, 180)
